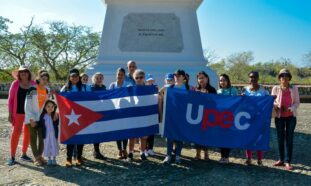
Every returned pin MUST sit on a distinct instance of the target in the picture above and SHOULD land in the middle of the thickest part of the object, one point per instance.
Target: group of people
(32, 109)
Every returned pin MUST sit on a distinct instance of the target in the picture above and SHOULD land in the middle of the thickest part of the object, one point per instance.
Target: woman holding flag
(181, 82)
(225, 88)
(120, 75)
(204, 87)
(139, 77)
(74, 84)
(254, 89)
(98, 85)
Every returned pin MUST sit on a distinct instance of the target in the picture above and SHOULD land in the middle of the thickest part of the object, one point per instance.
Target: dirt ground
(152, 172)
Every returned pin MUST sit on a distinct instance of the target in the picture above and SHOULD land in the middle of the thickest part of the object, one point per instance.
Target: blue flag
(216, 120)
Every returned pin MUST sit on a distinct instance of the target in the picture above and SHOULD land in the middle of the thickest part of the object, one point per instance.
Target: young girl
(49, 120)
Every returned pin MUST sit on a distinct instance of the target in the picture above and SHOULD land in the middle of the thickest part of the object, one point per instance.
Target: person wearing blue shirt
(120, 75)
(131, 67)
(225, 88)
(74, 84)
(254, 89)
(181, 82)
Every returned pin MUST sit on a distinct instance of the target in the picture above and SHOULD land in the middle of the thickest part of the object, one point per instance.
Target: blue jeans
(169, 147)
(285, 127)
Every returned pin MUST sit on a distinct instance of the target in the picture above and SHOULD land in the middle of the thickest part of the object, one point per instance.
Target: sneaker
(54, 162)
(167, 160)
(79, 162)
(248, 162)
(50, 162)
(151, 152)
(146, 153)
(143, 156)
(279, 163)
(130, 157)
(259, 163)
(99, 156)
(69, 163)
(26, 158)
(11, 161)
(177, 160)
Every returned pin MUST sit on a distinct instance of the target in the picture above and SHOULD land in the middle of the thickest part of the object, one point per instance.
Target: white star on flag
(73, 118)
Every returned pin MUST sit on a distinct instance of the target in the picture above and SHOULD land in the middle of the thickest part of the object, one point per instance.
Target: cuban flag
(94, 117)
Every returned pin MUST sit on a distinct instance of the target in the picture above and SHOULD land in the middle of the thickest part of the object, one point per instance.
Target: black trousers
(224, 152)
(96, 147)
(285, 127)
(70, 149)
(150, 142)
(122, 144)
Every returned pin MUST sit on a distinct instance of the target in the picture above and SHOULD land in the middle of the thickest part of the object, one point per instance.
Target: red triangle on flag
(74, 117)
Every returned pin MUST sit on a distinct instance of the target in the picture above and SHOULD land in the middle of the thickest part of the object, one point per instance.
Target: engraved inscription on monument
(151, 32)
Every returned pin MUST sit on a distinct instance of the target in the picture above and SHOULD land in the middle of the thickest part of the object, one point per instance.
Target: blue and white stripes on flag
(129, 112)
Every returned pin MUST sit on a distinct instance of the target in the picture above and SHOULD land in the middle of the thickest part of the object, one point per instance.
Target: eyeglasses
(252, 77)
(139, 77)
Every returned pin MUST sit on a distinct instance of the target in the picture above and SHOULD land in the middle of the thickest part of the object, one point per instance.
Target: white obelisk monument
(160, 35)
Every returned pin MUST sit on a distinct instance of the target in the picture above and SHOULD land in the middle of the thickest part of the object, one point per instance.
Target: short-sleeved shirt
(260, 92)
(129, 78)
(114, 85)
(228, 91)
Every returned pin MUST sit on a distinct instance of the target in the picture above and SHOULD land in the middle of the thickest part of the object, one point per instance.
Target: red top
(285, 103)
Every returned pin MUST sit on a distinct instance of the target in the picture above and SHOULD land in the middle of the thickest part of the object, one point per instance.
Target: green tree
(15, 48)
(238, 65)
(62, 47)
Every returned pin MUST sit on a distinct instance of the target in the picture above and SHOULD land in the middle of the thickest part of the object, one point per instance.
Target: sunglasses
(252, 77)
(140, 77)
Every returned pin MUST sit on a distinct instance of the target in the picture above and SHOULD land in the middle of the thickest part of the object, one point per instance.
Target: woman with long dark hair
(121, 82)
(74, 84)
(225, 88)
(203, 85)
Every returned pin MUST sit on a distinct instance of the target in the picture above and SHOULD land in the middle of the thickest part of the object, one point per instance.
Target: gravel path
(117, 172)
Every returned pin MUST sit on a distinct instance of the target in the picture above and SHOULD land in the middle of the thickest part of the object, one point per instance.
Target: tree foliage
(55, 46)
